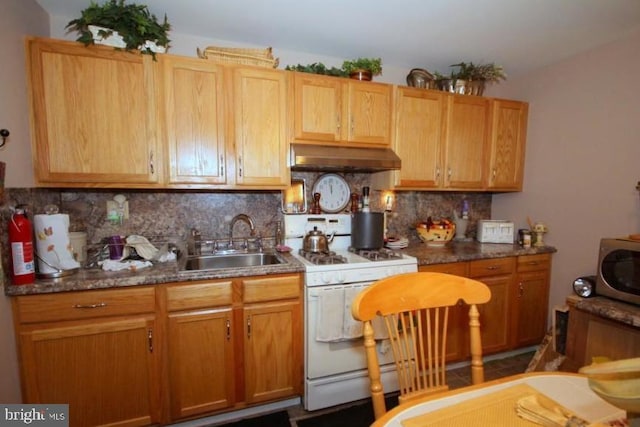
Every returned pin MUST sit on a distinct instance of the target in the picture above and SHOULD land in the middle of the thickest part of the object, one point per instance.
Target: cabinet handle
(437, 173)
(449, 172)
(520, 290)
(352, 125)
(228, 330)
(151, 163)
(248, 326)
(493, 267)
(221, 165)
(494, 174)
(150, 339)
(239, 165)
(97, 305)
(533, 263)
(338, 122)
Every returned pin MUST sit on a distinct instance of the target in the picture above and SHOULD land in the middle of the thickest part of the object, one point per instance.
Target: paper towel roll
(52, 243)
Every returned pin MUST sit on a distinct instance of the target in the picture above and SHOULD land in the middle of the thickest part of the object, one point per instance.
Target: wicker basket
(243, 56)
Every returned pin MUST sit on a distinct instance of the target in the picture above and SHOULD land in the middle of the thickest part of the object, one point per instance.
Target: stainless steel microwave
(619, 270)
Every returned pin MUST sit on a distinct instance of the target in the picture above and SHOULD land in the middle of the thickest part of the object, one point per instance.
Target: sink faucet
(241, 217)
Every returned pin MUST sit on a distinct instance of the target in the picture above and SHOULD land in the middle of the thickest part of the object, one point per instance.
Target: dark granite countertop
(469, 251)
(169, 272)
(160, 273)
(608, 309)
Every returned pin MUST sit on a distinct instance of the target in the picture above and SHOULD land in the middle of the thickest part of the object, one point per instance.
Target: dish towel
(351, 328)
(53, 245)
(330, 315)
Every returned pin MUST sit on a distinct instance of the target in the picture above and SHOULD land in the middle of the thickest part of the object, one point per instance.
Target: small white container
(495, 231)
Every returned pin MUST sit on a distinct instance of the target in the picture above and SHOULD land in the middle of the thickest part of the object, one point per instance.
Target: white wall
(18, 18)
(582, 157)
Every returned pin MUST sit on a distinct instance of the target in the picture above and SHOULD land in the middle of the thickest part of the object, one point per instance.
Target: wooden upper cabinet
(335, 110)
(93, 115)
(259, 131)
(466, 142)
(419, 137)
(194, 117)
(317, 108)
(508, 140)
(368, 110)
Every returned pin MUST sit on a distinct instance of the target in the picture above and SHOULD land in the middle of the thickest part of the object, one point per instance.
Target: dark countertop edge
(470, 251)
(608, 308)
(168, 272)
(158, 274)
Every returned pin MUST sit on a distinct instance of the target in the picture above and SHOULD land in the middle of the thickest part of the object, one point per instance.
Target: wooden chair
(415, 309)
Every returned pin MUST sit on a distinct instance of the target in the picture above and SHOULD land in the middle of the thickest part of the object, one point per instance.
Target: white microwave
(618, 273)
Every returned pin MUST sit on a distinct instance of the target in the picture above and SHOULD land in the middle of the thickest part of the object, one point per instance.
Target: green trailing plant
(317, 68)
(374, 65)
(133, 22)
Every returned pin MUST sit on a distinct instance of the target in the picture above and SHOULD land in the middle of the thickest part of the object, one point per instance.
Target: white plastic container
(495, 231)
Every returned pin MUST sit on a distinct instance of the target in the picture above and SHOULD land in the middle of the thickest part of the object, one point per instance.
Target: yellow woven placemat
(494, 409)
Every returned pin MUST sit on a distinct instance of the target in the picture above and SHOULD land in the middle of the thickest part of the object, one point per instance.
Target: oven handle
(313, 293)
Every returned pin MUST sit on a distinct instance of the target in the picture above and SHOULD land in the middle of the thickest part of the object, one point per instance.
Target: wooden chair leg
(477, 369)
(377, 394)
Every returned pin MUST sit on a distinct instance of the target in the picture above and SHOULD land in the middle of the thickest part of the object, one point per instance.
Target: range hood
(349, 159)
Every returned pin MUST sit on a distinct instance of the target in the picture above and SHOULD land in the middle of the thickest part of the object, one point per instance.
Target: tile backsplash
(169, 213)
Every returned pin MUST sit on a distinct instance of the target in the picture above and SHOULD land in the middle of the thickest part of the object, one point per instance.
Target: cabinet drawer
(199, 295)
(456, 268)
(85, 304)
(271, 288)
(534, 262)
(492, 267)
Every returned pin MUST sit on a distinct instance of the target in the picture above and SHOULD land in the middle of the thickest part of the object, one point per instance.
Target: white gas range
(335, 362)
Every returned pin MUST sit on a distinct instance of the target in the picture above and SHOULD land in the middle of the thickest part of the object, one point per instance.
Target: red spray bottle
(22, 252)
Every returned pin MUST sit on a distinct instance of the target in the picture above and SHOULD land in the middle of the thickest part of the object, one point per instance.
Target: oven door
(332, 358)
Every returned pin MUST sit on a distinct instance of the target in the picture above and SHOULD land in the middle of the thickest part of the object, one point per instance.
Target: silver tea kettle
(316, 241)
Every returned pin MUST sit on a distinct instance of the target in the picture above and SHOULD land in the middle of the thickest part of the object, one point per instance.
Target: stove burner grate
(322, 258)
(381, 254)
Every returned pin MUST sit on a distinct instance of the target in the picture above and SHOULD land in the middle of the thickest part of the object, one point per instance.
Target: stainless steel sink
(211, 262)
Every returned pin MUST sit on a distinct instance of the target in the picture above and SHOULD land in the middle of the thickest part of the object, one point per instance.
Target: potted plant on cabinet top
(124, 26)
(470, 79)
(363, 68)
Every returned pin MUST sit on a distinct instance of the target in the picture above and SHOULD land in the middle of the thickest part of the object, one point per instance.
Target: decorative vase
(361, 75)
(475, 87)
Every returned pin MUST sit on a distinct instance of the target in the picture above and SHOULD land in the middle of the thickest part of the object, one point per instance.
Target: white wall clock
(334, 192)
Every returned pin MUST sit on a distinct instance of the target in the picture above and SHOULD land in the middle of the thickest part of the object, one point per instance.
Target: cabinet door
(317, 103)
(419, 133)
(508, 138)
(466, 142)
(94, 116)
(194, 109)
(530, 310)
(458, 324)
(200, 361)
(105, 370)
(260, 109)
(368, 112)
(273, 355)
(494, 326)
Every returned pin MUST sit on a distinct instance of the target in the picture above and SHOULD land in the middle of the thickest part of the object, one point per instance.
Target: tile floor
(458, 377)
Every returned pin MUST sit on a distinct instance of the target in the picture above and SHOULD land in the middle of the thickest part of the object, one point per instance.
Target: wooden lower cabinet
(200, 347)
(516, 315)
(272, 340)
(160, 354)
(531, 296)
(74, 351)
